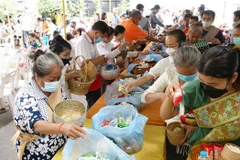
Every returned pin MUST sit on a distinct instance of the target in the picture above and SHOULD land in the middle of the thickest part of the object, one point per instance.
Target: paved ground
(7, 150)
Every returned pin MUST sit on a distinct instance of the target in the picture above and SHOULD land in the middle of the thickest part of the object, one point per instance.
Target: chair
(7, 43)
(8, 91)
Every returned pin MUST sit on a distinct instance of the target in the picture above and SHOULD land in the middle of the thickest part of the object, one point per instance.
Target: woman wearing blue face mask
(38, 137)
(186, 60)
(213, 99)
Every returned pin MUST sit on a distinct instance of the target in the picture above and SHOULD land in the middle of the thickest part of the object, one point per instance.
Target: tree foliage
(98, 6)
(73, 7)
(123, 6)
(7, 5)
(48, 7)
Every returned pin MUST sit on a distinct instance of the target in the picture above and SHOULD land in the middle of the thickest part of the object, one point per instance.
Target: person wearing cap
(153, 18)
(133, 32)
(144, 23)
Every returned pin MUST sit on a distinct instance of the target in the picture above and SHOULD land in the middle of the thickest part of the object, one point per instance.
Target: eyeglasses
(172, 46)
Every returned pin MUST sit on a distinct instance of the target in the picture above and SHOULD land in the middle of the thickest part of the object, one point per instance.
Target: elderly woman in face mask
(38, 137)
(186, 61)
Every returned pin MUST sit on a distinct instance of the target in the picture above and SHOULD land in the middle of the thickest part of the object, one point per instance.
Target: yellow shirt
(58, 19)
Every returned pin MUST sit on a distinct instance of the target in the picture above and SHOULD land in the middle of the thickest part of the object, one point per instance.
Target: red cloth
(97, 84)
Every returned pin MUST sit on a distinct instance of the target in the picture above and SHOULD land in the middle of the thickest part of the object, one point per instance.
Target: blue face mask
(236, 40)
(99, 39)
(187, 78)
(50, 86)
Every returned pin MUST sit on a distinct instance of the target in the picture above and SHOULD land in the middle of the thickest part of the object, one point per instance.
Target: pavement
(7, 130)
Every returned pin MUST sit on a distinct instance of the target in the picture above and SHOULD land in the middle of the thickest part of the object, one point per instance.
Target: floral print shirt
(31, 105)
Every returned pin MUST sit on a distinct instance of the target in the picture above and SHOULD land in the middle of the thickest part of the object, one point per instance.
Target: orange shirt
(133, 32)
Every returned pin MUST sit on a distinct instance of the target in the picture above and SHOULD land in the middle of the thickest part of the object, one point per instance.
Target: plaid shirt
(144, 23)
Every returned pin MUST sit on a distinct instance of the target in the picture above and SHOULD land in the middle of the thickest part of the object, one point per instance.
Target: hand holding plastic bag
(129, 138)
(94, 144)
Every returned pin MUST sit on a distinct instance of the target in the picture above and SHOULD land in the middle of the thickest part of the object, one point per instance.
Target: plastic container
(203, 155)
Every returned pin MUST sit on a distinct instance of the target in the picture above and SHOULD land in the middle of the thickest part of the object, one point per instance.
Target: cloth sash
(211, 34)
(53, 100)
(223, 116)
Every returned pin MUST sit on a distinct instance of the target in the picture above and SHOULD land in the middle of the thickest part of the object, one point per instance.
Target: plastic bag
(130, 138)
(95, 143)
(114, 97)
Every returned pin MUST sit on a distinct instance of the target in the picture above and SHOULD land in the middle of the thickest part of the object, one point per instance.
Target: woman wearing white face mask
(38, 137)
(173, 41)
(210, 33)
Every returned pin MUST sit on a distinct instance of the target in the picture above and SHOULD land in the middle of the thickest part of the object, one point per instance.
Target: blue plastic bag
(114, 97)
(45, 40)
(95, 142)
(129, 139)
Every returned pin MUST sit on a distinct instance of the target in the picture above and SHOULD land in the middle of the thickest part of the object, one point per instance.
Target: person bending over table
(86, 46)
(186, 61)
(38, 137)
(133, 31)
(174, 39)
(215, 93)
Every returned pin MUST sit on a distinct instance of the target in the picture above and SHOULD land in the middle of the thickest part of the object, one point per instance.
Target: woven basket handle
(86, 68)
(72, 65)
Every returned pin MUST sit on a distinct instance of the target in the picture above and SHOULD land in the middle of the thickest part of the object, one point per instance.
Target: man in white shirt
(86, 47)
(26, 26)
(173, 41)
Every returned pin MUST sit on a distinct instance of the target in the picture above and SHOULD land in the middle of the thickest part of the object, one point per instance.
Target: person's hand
(143, 53)
(189, 129)
(73, 131)
(129, 86)
(171, 89)
(126, 43)
(216, 41)
(72, 74)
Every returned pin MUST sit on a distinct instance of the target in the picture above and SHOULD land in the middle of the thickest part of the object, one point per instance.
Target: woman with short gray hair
(38, 137)
(186, 60)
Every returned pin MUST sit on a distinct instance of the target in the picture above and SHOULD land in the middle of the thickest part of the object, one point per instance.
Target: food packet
(209, 149)
(178, 96)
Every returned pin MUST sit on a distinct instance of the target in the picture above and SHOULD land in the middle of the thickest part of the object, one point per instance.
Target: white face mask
(206, 24)
(171, 51)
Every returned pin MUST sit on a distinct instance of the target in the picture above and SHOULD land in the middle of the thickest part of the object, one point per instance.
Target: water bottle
(203, 155)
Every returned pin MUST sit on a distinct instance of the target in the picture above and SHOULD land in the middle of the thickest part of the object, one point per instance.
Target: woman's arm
(72, 130)
(167, 109)
(152, 97)
(139, 82)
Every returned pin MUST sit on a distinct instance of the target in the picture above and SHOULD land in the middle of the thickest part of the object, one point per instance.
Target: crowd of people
(200, 60)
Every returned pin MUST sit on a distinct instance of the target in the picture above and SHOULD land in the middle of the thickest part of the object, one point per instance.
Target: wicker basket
(175, 137)
(70, 111)
(87, 75)
(109, 74)
(228, 154)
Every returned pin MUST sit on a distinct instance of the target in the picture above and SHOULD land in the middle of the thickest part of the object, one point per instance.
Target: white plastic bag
(95, 142)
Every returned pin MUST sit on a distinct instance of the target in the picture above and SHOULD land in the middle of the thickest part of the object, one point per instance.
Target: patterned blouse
(31, 106)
